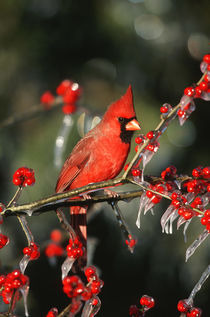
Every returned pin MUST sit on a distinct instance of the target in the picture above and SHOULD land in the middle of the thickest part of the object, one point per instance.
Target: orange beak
(132, 125)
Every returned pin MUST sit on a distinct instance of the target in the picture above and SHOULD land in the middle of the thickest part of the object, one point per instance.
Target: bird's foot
(111, 193)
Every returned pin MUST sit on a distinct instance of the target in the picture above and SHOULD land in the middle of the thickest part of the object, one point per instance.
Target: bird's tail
(79, 224)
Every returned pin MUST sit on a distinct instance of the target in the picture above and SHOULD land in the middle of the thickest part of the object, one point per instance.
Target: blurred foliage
(156, 45)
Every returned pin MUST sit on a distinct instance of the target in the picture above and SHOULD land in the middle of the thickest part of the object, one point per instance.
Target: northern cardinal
(100, 155)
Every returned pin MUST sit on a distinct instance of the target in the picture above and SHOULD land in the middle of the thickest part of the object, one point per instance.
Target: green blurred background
(155, 45)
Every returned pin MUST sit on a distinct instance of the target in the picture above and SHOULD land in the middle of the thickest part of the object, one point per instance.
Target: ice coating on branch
(203, 67)
(66, 266)
(185, 100)
(205, 96)
(198, 285)
(191, 249)
(24, 291)
(186, 108)
(24, 262)
(61, 140)
(129, 239)
(91, 307)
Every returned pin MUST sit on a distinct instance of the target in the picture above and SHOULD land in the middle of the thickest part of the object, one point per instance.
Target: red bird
(100, 155)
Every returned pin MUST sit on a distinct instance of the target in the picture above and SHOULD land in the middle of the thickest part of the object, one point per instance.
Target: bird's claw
(111, 193)
(86, 196)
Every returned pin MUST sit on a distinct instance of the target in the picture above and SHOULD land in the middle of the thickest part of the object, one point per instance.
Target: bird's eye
(121, 120)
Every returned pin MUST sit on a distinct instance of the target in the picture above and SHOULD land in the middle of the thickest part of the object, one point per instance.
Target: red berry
(94, 302)
(194, 312)
(47, 98)
(206, 58)
(3, 240)
(136, 172)
(69, 108)
(56, 235)
(149, 194)
(181, 113)
(182, 306)
(64, 85)
(198, 91)
(52, 313)
(90, 271)
(134, 311)
(187, 214)
(147, 301)
(138, 140)
(189, 91)
(206, 172)
(164, 109)
(150, 135)
(203, 86)
(126, 166)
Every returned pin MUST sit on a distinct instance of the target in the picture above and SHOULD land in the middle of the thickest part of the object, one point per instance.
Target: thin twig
(65, 311)
(163, 122)
(30, 113)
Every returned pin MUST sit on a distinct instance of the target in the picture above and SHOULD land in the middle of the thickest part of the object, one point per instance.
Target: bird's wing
(74, 164)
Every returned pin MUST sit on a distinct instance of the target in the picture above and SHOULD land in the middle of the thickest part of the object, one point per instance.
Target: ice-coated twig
(64, 222)
(61, 140)
(191, 249)
(123, 226)
(198, 285)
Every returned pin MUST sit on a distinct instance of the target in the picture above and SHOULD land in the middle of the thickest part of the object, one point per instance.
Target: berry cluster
(23, 177)
(10, 283)
(146, 302)
(70, 93)
(189, 195)
(54, 248)
(74, 288)
(188, 310)
(32, 251)
(74, 248)
(4, 240)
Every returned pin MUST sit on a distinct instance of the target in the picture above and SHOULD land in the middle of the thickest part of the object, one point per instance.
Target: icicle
(61, 140)
(185, 229)
(200, 283)
(143, 200)
(191, 249)
(129, 239)
(148, 206)
(24, 262)
(173, 217)
(91, 307)
(165, 217)
(180, 222)
(24, 291)
(147, 156)
(66, 266)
